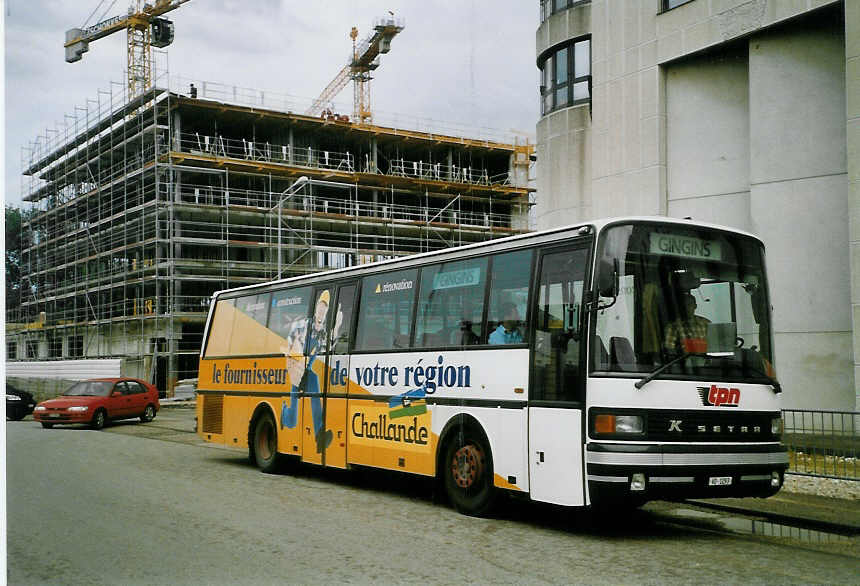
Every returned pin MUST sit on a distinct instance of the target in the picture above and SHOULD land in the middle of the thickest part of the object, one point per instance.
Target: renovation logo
(714, 396)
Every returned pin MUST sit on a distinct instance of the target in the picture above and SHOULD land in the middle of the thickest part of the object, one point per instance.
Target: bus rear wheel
(265, 443)
(468, 473)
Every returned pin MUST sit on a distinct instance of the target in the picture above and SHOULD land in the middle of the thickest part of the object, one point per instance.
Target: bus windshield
(670, 290)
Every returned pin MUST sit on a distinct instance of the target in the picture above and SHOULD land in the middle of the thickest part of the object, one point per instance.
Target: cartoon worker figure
(312, 338)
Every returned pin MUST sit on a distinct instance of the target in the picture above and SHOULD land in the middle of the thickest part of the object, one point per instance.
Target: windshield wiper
(777, 388)
(656, 372)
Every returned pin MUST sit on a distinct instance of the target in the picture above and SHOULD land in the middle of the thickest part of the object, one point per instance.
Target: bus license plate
(719, 481)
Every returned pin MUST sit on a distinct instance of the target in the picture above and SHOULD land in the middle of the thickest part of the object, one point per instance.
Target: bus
(607, 363)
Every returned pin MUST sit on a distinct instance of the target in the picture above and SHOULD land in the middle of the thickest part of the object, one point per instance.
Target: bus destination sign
(687, 246)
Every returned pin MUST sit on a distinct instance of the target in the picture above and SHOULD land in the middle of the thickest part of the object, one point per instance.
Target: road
(151, 504)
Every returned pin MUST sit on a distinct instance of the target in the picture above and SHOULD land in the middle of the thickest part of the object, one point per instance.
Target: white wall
(65, 369)
(799, 206)
(707, 139)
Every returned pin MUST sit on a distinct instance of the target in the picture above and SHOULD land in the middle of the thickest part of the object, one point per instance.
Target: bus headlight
(607, 423)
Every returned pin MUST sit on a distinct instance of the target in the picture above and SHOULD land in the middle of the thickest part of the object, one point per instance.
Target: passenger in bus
(688, 333)
(508, 331)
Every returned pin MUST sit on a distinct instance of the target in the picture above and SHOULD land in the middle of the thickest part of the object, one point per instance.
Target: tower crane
(364, 59)
(145, 28)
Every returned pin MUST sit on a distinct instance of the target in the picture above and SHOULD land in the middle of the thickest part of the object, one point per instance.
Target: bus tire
(467, 470)
(265, 443)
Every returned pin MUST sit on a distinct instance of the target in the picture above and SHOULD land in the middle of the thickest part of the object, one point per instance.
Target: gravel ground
(829, 487)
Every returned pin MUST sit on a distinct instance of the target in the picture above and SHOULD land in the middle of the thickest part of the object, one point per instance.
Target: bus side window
(385, 313)
(249, 335)
(509, 292)
(288, 320)
(451, 304)
(221, 328)
(343, 319)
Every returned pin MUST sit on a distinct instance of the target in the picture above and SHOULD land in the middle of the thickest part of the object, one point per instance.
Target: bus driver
(689, 332)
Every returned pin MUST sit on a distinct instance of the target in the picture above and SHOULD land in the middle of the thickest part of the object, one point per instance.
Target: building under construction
(144, 207)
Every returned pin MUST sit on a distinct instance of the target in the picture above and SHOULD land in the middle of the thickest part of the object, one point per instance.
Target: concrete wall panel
(707, 126)
(807, 252)
(729, 210)
(815, 370)
(797, 103)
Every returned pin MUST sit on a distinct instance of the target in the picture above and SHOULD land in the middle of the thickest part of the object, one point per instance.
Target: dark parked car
(97, 401)
(19, 403)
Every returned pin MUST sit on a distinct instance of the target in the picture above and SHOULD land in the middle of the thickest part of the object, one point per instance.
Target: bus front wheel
(468, 473)
(265, 443)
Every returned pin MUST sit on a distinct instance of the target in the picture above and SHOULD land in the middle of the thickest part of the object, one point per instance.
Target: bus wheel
(266, 443)
(468, 470)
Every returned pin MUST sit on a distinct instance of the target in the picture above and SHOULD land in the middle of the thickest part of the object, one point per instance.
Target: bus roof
(506, 243)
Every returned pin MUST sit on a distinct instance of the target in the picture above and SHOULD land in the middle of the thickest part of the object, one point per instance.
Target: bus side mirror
(607, 278)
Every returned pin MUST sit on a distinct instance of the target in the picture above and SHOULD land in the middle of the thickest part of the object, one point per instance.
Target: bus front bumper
(642, 472)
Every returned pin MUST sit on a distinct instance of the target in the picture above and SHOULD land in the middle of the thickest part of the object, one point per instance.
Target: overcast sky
(464, 61)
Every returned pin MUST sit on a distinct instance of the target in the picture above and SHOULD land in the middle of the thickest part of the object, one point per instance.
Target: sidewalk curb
(846, 529)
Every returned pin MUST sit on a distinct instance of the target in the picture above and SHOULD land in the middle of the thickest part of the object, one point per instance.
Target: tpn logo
(714, 396)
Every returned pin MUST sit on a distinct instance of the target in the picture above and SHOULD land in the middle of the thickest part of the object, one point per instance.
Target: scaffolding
(144, 207)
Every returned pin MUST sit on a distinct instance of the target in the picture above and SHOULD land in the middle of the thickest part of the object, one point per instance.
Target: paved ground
(152, 504)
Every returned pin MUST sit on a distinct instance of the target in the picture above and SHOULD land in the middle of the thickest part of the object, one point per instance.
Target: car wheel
(15, 415)
(266, 443)
(468, 472)
(99, 419)
(148, 414)
(47, 425)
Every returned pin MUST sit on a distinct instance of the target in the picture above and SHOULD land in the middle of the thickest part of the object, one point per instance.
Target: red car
(97, 401)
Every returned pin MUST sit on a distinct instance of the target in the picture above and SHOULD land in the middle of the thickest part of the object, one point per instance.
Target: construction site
(151, 198)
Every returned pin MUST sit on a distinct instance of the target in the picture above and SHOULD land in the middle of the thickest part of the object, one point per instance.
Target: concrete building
(144, 208)
(740, 112)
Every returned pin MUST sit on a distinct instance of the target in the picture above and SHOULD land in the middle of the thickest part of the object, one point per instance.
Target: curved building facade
(563, 166)
(739, 112)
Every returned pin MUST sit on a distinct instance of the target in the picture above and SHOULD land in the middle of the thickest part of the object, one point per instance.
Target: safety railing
(281, 102)
(822, 443)
(305, 156)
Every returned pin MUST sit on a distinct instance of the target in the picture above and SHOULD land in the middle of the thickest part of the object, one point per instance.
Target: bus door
(325, 380)
(557, 389)
(337, 382)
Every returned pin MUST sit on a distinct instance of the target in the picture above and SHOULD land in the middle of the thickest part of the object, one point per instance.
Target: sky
(464, 62)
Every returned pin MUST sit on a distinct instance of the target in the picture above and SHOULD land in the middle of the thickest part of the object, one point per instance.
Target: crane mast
(363, 60)
(144, 28)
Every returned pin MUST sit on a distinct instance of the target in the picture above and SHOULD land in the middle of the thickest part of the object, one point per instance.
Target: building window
(11, 350)
(76, 346)
(670, 4)
(566, 76)
(55, 347)
(550, 7)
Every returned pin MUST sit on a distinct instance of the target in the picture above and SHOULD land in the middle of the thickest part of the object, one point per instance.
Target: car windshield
(678, 290)
(89, 389)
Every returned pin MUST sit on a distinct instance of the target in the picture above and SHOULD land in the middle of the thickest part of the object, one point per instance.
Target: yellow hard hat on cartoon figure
(324, 297)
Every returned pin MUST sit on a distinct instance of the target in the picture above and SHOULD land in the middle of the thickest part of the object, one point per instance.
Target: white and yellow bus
(609, 362)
